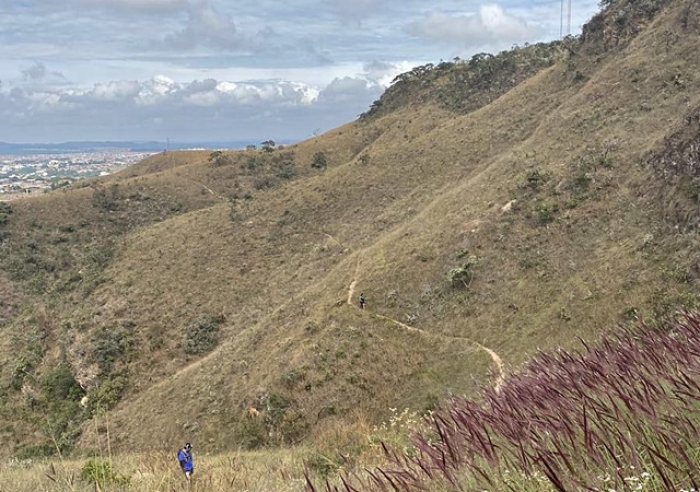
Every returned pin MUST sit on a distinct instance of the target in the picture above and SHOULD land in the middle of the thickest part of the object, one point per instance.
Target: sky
(233, 70)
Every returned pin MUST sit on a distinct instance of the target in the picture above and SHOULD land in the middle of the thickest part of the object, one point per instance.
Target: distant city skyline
(211, 70)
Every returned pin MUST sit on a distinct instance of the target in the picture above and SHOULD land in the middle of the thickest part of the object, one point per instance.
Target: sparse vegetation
(5, 212)
(319, 161)
(111, 346)
(99, 472)
(466, 85)
(285, 164)
(219, 158)
(115, 280)
(201, 335)
(462, 275)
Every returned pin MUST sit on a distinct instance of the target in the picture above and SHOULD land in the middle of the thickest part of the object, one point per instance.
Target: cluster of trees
(466, 85)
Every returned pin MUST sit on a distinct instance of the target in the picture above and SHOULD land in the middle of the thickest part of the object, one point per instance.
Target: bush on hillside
(462, 275)
(463, 86)
(60, 384)
(219, 158)
(110, 347)
(109, 392)
(5, 211)
(285, 164)
(253, 162)
(319, 161)
(36, 451)
(107, 200)
(60, 398)
(100, 473)
(202, 335)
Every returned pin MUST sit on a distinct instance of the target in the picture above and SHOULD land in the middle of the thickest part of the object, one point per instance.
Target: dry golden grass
(587, 247)
(159, 471)
(281, 469)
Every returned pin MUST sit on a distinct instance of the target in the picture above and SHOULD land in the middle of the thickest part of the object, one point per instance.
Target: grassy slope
(433, 188)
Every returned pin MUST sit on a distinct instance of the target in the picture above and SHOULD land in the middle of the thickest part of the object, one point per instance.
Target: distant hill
(135, 146)
(488, 209)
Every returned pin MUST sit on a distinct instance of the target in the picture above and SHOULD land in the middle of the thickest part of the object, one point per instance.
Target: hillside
(508, 204)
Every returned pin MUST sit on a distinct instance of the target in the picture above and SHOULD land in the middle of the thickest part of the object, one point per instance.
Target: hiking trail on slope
(497, 360)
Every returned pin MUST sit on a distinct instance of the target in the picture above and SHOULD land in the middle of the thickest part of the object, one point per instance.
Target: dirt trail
(494, 356)
(211, 192)
(499, 364)
(351, 290)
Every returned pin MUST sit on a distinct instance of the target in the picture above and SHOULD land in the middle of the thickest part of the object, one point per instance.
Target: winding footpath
(494, 356)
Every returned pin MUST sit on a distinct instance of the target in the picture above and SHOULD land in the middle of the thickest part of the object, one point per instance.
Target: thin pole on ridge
(568, 23)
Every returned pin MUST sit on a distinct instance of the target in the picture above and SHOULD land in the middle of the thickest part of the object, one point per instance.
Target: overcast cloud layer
(207, 70)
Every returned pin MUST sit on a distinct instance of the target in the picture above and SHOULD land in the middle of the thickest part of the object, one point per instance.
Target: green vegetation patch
(202, 335)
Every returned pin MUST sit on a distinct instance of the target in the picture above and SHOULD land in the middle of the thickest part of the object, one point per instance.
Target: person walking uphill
(184, 456)
(362, 301)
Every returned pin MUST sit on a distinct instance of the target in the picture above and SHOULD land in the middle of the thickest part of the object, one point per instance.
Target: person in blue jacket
(184, 456)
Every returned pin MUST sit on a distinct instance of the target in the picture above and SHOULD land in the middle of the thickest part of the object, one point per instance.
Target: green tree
(268, 145)
(320, 161)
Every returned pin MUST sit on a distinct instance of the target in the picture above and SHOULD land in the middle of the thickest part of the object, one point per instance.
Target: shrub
(60, 384)
(100, 473)
(219, 158)
(285, 164)
(110, 345)
(264, 183)
(319, 161)
(20, 370)
(5, 211)
(287, 171)
(251, 433)
(536, 179)
(252, 162)
(36, 451)
(108, 394)
(68, 228)
(546, 212)
(462, 275)
(106, 200)
(322, 465)
(202, 335)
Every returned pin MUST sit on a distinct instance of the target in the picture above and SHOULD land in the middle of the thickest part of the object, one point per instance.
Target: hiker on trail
(362, 301)
(184, 456)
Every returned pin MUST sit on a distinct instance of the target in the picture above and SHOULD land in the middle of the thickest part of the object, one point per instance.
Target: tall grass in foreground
(273, 469)
(261, 471)
(623, 415)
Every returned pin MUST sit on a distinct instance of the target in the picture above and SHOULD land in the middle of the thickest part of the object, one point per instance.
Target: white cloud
(383, 73)
(110, 69)
(115, 91)
(154, 6)
(162, 85)
(207, 27)
(490, 26)
(200, 109)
